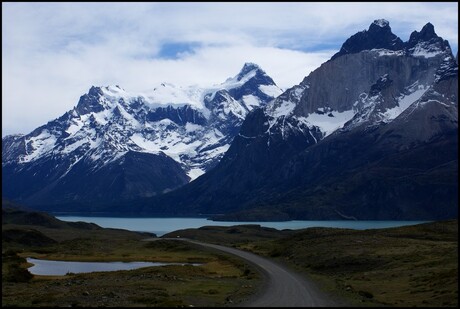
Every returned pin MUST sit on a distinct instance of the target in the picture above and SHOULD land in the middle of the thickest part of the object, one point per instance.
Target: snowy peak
(381, 27)
(252, 86)
(109, 125)
(250, 74)
(251, 70)
(168, 94)
(248, 68)
(259, 77)
(382, 23)
(193, 126)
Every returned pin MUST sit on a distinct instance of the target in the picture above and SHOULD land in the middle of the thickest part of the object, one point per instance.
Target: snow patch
(194, 173)
(130, 118)
(168, 94)
(284, 109)
(149, 146)
(381, 22)
(386, 52)
(103, 116)
(251, 101)
(76, 125)
(271, 90)
(71, 147)
(42, 144)
(191, 127)
(422, 51)
(233, 82)
(404, 102)
(326, 123)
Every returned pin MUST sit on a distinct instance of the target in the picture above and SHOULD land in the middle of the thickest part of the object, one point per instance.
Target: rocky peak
(247, 68)
(426, 42)
(253, 74)
(95, 91)
(378, 35)
(382, 23)
(252, 86)
(426, 34)
(90, 102)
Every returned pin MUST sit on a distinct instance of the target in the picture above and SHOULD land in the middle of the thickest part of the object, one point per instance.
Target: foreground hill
(218, 280)
(404, 267)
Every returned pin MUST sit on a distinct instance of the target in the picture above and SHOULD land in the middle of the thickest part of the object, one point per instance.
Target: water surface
(161, 226)
(60, 268)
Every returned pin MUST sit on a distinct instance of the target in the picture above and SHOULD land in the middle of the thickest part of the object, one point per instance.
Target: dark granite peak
(427, 34)
(378, 35)
(90, 102)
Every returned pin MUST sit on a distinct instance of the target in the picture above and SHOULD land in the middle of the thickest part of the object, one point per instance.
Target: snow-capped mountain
(370, 134)
(185, 130)
(351, 84)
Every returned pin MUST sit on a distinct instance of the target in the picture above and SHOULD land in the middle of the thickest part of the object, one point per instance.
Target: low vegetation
(406, 266)
(221, 280)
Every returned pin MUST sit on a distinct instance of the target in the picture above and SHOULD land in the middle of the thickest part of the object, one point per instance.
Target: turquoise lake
(161, 226)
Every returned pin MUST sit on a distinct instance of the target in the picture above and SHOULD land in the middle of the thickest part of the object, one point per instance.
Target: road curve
(282, 288)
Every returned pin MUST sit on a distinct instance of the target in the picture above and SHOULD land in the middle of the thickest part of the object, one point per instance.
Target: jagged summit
(253, 71)
(426, 33)
(250, 83)
(370, 135)
(378, 35)
(425, 43)
(147, 143)
(247, 68)
(381, 23)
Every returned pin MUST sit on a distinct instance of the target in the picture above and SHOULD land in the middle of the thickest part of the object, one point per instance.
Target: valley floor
(406, 266)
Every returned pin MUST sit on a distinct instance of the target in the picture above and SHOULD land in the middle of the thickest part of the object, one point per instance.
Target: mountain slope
(371, 134)
(116, 145)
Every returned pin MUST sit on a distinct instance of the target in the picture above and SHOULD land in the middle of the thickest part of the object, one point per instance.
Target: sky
(52, 53)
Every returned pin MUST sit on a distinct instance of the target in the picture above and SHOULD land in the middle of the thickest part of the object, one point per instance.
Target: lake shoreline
(164, 225)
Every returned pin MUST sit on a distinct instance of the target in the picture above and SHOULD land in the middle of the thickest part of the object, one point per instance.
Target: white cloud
(53, 52)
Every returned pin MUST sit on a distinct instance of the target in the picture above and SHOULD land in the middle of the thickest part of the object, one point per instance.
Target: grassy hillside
(406, 266)
(221, 280)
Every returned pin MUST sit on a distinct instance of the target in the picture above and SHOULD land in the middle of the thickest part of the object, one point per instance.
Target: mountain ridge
(268, 170)
(185, 130)
(346, 137)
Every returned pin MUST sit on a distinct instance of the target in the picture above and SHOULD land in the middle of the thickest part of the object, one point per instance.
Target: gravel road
(283, 287)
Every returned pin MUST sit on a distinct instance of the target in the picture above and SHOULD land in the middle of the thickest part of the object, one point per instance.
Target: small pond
(60, 268)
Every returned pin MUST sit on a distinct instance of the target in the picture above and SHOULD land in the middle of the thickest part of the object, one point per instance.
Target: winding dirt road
(282, 288)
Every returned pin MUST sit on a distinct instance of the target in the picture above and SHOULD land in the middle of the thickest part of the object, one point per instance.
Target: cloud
(53, 52)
